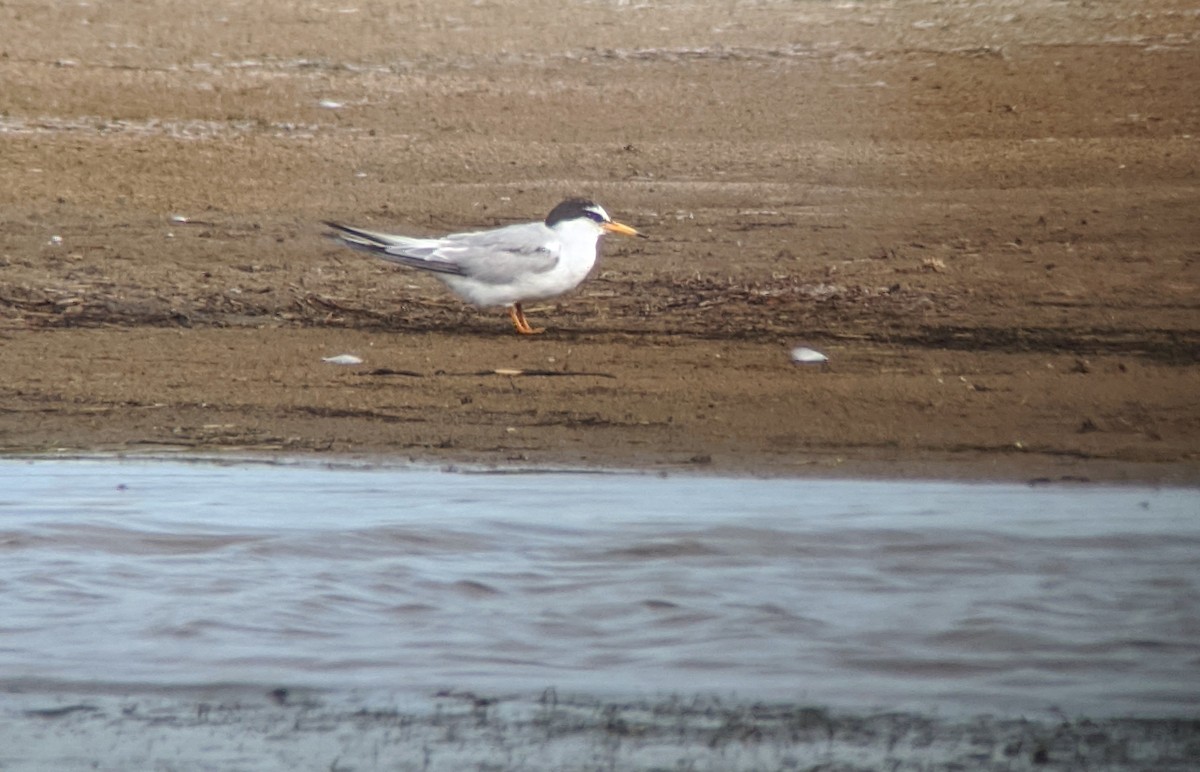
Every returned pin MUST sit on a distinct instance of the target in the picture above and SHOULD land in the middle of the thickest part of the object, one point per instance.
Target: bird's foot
(521, 323)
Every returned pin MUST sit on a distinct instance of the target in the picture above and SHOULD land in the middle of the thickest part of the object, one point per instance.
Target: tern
(506, 266)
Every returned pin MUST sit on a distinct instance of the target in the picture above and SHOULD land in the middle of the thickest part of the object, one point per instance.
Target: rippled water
(898, 594)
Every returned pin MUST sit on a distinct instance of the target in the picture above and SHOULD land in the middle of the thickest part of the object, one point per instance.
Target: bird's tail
(364, 239)
(405, 250)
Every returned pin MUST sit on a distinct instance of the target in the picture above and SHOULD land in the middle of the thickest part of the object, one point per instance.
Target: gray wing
(493, 257)
(497, 256)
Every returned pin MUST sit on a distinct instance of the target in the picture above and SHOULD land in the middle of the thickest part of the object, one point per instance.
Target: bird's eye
(594, 215)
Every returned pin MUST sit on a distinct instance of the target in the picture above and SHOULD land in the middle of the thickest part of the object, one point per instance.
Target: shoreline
(984, 472)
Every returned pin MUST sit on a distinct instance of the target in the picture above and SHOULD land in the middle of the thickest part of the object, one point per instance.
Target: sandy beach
(983, 216)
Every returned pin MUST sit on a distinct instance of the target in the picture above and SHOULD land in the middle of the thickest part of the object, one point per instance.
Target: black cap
(574, 209)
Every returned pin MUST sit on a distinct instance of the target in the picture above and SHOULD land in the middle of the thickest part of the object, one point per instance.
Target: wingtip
(348, 234)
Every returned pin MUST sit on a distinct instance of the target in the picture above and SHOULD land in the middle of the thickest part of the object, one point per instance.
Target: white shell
(343, 359)
(807, 356)
(329, 104)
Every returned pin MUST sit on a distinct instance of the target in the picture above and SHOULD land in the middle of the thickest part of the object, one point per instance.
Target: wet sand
(236, 729)
(984, 216)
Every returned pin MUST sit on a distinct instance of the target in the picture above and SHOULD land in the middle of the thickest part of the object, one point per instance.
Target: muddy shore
(280, 729)
(985, 217)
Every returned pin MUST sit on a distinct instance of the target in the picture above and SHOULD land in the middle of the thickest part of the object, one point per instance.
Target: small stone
(807, 356)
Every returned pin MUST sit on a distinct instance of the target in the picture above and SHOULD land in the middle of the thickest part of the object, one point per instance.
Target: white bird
(505, 266)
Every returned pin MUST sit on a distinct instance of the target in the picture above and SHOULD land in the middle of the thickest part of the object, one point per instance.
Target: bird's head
(582, 209)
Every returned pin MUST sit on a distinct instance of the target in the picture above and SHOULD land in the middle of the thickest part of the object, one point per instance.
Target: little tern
(505, 266)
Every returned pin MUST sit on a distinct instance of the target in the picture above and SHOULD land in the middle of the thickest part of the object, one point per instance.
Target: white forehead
(598, 210)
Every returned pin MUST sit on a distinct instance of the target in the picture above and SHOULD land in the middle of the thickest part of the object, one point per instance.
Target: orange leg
(520, 322)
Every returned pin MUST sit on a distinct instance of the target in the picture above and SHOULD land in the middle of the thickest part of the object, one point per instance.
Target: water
(887, 594)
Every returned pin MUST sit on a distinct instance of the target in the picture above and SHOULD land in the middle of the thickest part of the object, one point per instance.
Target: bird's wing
(498, 256)
(495, 256)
